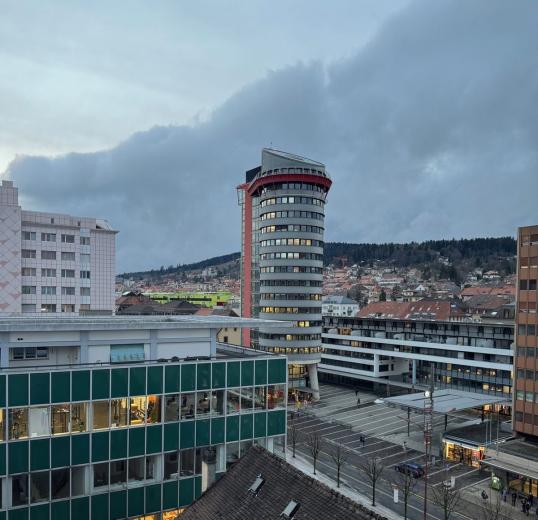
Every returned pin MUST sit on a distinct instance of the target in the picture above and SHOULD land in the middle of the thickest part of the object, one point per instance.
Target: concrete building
(53, 263)
(336, 305)
(405, 342)
(526, 376)
(283, 213)
(128, 417)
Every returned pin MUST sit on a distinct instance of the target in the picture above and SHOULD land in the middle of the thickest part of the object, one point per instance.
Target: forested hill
(487, 253)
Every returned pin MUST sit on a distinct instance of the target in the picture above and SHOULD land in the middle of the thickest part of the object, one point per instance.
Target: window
(68, 291)
(48, 290)
(520, 395)
(48, 273)
(137, 413)
(153, 414)
(276, 396)
(67, 256)
(119, 408)
(118, 472)
(59, 483)
(60, 418)
(28, 253)
(100, 475)
(19, 353)
(68, 273)
(28, 271)
(18, 423)
(532, 285)
(39, 486)
(84, 241)
(84, 258)
(171, 465)
(19, 490)
(28, 289)
(48, 237)
(28, 235)
(233, 402)
(101, 415)
(171, 408)
(68, 307)
(84, 291)
(187, 405)
(48, 255)
(48, 307)
(85, 275)
(68, 239)
(78, 417)
(28, 307)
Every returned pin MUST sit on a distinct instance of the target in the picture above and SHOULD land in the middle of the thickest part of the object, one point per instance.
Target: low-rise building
(337, 305)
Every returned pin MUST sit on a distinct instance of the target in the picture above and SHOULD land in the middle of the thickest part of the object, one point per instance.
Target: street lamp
(428, 424)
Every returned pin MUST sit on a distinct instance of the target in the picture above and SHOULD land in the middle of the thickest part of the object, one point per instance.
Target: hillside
(462, 255)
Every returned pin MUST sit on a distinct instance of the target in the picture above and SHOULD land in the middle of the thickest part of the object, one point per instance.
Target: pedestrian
(504, 494)
(405, 446)
(527, 507)
(514, 497)
(356, 392)
(531, 500)
(358, 402)
(484, 495)
(363, 440)
(523, 505)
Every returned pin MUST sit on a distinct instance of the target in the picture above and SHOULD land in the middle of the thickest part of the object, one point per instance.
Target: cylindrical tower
(282, 263)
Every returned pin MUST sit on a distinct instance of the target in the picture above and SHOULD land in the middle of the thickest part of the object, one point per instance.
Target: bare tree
(405, 483)
(293, 434)
(491, 508)
(314, 443)
(447, 498)
(339, 460)
(373, 468)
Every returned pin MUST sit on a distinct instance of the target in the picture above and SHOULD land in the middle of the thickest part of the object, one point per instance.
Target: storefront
(466, 453)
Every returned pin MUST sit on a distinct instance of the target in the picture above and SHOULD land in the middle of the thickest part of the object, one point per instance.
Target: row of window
(529, 352)
(65, 418)
(291, 227)
(50, 290)
(288, 256)
(293, 186)
(51, 237)
(291, 269)
(51, 307)
(292, 214)
(528, 261)
(527, 285)
(292, 350)
(292, 283)
(527, 307)
(529, 397)
(290, 337)
(526, 330)
(50, 272)
(529, 375)
(69, 256)
(527, 418)
(290, 296)
(292, 200)
(291, 310)
(291, 242)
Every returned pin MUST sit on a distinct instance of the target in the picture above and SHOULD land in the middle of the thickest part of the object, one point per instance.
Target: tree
(314, 443)
(491, 508)
(382, 296)
(373, 468)
(293, 434)
(405, 483)
(339, 459)
(447, 498)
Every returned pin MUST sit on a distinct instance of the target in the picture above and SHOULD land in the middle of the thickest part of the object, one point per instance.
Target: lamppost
(428, 424)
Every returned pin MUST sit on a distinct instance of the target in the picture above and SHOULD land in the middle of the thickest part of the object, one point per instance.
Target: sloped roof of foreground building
(262, 486)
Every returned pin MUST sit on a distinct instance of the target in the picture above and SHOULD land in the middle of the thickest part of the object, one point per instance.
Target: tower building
(283, 214)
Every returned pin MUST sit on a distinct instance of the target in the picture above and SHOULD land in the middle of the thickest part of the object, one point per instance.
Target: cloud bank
(430, 131)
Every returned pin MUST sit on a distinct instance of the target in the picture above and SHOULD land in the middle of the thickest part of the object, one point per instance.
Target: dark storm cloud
(430, 131)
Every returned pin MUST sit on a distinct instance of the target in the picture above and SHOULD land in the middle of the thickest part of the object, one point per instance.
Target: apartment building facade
(128, 417)
(525, 418)
(407, 342)
(53, 263)
(283, 213)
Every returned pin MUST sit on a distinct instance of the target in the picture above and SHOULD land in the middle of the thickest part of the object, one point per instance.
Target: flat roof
(481, 434)
(38, 323)
(446, 400)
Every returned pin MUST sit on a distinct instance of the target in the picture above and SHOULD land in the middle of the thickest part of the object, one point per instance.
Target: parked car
(410, 468)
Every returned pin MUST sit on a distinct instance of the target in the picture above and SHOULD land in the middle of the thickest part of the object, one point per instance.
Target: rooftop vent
(290, 510)
(258, 483)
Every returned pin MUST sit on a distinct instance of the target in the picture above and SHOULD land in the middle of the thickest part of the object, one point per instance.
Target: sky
(148, 114)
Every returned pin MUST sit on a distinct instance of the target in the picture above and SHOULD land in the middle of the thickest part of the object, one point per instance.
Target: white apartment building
(335, 305)
(53, 263)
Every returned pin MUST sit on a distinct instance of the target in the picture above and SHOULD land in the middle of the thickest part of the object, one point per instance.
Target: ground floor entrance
(468, 455)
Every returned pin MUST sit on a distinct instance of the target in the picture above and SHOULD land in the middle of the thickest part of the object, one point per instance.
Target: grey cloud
(430, 131)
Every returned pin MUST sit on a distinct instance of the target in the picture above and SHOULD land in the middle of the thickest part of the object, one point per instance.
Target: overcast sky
(148, 114)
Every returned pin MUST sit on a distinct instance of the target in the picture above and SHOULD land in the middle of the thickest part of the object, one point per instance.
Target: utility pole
(428, 425)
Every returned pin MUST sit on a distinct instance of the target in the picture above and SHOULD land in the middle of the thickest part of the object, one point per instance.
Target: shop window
(171, 461)
(78, 480)
(153, 412)
(202, 403)
(118, 472)
(188, 405)
(186, 464)
(247, 399)
(100, 475)
(260, 398)
(61, 415)
(137, 413)
(59, 483)
(136, 469)
(233, 400)
(119, 412)
(101, 415)
(217, 402)
(79, 417)
(19, 490)
(39, 485)
(18, 423)
(171, 408)
(276, 396)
